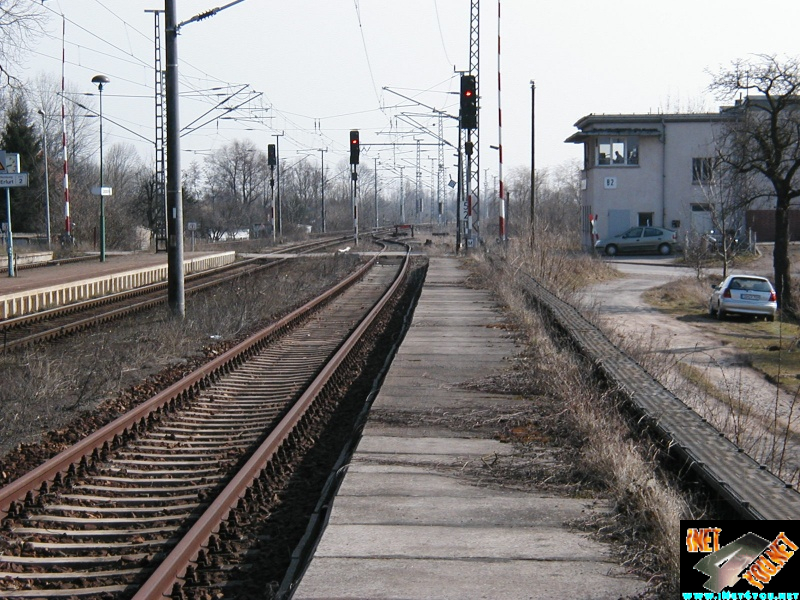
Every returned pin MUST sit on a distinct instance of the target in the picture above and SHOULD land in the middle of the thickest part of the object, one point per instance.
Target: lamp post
(533, 163)
(100, 81)
(46, 181)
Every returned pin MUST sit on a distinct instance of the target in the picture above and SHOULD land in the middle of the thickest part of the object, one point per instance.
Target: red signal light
(354, 147)
(469, 102)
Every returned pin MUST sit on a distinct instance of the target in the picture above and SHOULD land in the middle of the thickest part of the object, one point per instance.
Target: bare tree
(763, 136)
(20, 21)
(239, 172)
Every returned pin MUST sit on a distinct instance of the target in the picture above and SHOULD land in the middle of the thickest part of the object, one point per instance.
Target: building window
(645, 219)
(702, 169)
(616, 151)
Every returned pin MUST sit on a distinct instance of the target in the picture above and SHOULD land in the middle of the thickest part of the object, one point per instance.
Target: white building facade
(643, 170)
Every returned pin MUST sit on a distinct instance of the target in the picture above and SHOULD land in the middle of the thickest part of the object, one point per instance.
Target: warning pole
(502, 196)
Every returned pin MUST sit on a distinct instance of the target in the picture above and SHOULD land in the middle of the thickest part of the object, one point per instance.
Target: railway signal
(271, 156)
(354, 147)
(469, 103)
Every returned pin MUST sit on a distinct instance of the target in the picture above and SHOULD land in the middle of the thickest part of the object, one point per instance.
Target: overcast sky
(318, 68)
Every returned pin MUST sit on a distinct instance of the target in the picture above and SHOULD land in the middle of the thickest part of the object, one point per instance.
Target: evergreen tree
(21, 137)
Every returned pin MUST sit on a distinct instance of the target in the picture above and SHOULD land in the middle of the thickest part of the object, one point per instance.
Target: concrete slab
(426, 579)
(408, 522)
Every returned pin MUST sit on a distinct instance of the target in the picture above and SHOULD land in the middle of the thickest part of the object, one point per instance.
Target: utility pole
(402, 197)
(322, 185)
(272, 160)
(278, 206)
(46, 182)
(533, 163)
(175, 284)
(418, 186)
(473, 174)
(375, 181)
(355, 149)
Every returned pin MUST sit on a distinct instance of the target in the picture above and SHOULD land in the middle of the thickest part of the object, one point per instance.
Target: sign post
(10, 177)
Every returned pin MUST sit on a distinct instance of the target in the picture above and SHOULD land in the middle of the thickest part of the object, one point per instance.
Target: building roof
(592, 125)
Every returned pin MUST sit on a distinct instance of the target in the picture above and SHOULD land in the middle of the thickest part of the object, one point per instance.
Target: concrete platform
(34, 290)
(408, 524)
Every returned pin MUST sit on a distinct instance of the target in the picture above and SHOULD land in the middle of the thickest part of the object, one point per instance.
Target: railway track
(57, 322)
(136, 509)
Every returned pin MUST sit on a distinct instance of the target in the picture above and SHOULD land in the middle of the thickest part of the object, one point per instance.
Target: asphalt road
(695, 341)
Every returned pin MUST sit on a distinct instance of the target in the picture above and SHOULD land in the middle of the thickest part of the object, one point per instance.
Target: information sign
(14, 180)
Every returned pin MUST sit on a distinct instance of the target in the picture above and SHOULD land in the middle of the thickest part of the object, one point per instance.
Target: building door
(619, 221)
(702, 218)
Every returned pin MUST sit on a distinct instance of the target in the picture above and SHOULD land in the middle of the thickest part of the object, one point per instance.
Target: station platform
(40, 288)
(409, 523)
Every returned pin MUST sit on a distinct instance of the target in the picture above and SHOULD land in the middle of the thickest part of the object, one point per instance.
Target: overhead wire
(197, 83)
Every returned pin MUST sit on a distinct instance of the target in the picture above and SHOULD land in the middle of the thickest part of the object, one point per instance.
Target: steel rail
(200, 282)
(174, 566)
(37, 480)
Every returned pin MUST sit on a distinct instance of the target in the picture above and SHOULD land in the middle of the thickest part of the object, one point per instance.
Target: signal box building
(643, 170)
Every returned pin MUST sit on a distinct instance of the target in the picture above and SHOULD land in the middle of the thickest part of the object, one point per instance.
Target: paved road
(695, 342)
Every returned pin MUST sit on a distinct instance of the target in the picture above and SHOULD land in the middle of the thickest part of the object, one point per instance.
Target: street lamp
(46, 180)
(100, 81)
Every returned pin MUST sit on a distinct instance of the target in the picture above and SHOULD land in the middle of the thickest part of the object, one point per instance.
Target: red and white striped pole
(502, 197)
(67, 223)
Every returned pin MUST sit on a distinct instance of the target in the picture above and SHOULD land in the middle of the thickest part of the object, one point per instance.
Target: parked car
(743, 295)
(715, 240)
(640, 240)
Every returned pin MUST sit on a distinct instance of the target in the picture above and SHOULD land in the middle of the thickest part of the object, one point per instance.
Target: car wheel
(771, 318)
(711, 311)
(665, 249)
(720, 314)
(611, 250)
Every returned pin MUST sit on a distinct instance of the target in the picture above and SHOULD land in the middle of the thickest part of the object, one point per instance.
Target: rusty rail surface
(24, 496)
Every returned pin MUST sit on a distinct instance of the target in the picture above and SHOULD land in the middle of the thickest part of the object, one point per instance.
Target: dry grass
(648, 510)
(765, 429)
(49, 385)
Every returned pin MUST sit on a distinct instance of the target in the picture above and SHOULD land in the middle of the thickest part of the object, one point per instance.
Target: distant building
(646, 170)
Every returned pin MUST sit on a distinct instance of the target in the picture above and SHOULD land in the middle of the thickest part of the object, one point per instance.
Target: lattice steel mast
(473, 177)
(160, 208)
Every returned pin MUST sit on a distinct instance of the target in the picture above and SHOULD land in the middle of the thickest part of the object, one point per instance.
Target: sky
(308, 71)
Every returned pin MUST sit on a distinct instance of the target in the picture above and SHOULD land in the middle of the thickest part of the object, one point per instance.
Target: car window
(762, 286)
(650, 232)
(746, 283)
(634, 233)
